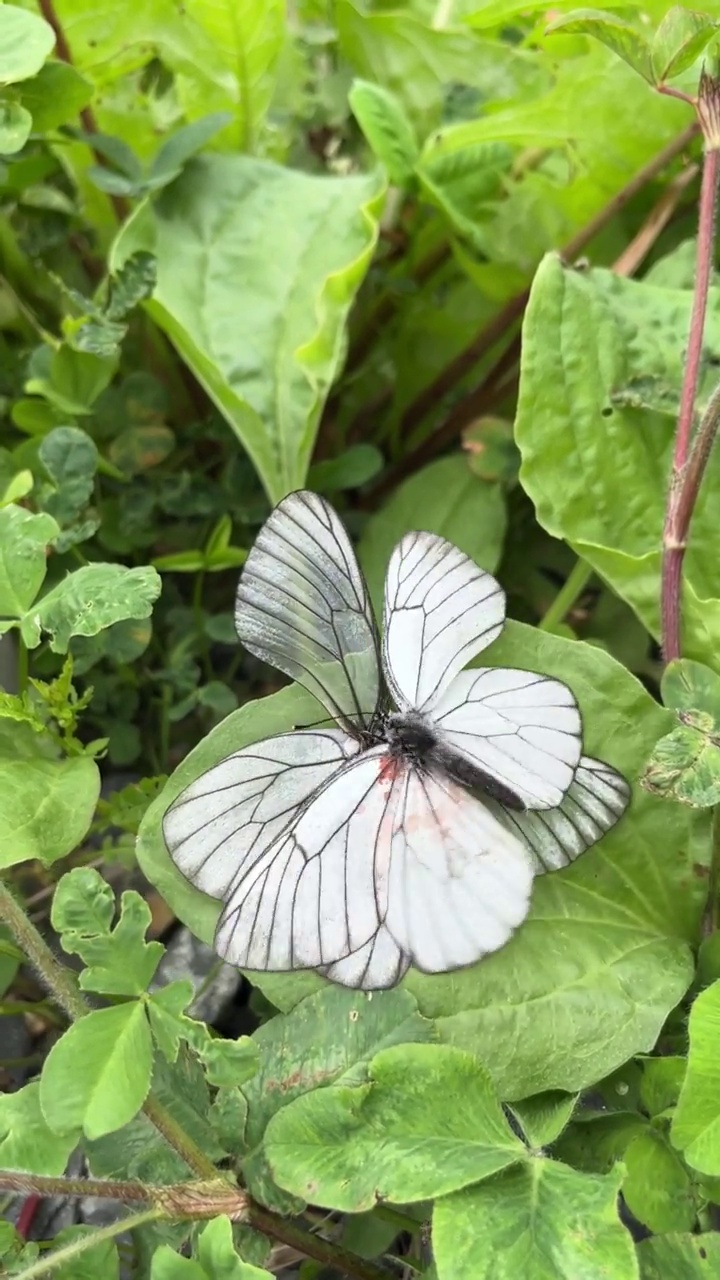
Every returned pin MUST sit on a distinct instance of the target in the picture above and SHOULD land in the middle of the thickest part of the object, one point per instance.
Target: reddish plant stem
(87, 115)
(689, 462)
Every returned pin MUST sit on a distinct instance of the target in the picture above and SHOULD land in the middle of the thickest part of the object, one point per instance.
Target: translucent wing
(596, 800)
(219, 826)
(314, 896)
(440, 610)
(302, 605)
(457, 888)
(518, 727)
(384, 867)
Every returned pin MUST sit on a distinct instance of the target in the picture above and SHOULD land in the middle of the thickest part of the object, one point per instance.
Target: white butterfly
(405, 836)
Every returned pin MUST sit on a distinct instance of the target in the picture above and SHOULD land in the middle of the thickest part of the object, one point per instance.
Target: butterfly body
(405, 836)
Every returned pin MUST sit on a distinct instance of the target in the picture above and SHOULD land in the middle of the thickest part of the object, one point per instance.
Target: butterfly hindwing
(518, 727)
(595, 801)
(302, 605)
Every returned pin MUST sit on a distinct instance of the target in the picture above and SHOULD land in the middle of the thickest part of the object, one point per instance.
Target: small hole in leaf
(607, 412)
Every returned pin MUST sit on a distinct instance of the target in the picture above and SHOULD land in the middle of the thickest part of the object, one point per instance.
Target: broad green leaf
(604, 955)
(55, 96)
(661, 1083)
(228, 1117)
(315, 237)
(691, 686)
(247, 39)
(387, 129)
(228, 1062)
(86, 601)
(597, 1143)
(680, 1257)
(657, 1187)
(216, 1254)
(138, 448)
(427, 1122)
(15, 124)
(46, 806)
(24, 540)
(543, 1221)
(445, 498)
(26, 40)
(303, 1051)
(178, 149)
(70, 459)
(97, 1076)
(696, 1124)
(623, 38)
(679, 40)
(543, 1118)
(601, 371)
(101, 1260)
(26, 1141)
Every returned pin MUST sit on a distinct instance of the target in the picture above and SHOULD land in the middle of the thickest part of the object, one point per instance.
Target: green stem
(73, 1250)
(40, 1184)
(313, 1246)
(711, 916)
(567, 595)
(23, 665)
(54, 976)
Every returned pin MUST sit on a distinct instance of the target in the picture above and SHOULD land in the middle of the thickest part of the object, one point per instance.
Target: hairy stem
(577, 580)
(60, 1257)
(314, 1246)
(41, 1185)
(690, 458)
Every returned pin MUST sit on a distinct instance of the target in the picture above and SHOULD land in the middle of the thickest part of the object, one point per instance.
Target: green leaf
(216, 1254)
(26, 1141)
(86, 601)
(544, 1221)
(685, 766)
(228, 1062)
(589, 338)
(679, 40)
(55, 96)
(428, 1122)
(387, 129)
(680, 1257)
(70, 458)
(24, 540)
(691, 686)
(138, 448)
(46, 806)
(26, 40)
(611, 30)
(696, 1124)
(166, 1009)
(303, 1051)
(444, 498)
(168, 1265)
(119, 961)
(543, 1118)
(464, 184)
(177, 150)
(97, 1076)
(83, 903)
(661, 1082)
(315, 236)
(350, 470)
(657, 1187)
(15, 124)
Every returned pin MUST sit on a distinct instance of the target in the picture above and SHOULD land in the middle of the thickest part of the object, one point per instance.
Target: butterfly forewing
(516, 726)
(302, 606)
(219, 826)
(440, 610)
(595, 801)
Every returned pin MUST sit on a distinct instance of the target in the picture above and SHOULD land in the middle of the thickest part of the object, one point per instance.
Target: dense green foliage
(247, 247)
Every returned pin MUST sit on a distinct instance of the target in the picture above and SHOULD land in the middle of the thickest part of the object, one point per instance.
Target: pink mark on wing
(388, 768)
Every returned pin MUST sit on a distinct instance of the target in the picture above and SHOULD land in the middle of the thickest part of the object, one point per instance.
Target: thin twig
(573, 587)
